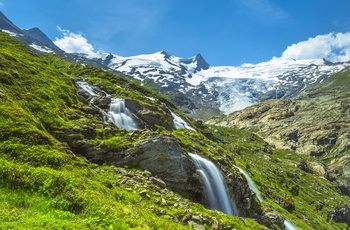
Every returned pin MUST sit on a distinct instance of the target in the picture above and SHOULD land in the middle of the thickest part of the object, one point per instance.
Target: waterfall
(180, 123)
(87, 88)
(215, 189)
(289, 225)
(251, 184)
(120, 116)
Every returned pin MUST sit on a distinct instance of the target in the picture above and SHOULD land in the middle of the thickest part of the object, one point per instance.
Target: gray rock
(162, 156)
(271, 218)
(158, 182)
(340, 214)
(195, 226)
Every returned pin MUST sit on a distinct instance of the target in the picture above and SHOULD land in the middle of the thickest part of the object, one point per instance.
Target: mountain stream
(251, 184)
(214, 186)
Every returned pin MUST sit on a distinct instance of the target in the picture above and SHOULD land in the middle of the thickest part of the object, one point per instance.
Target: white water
(180, 123)
(120, 116)
(251, 184)
(87, 88)
(289, 225)
(214, 186)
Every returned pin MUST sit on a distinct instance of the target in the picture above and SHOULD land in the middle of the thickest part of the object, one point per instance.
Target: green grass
(44, 184)
(305, 198)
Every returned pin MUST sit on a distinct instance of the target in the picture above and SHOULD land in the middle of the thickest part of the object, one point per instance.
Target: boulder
(162, 156)
(340, 214)
(149, 115)
(272, 218)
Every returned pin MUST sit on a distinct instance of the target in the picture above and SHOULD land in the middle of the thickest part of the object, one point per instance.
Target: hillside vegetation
(63, 167)
(45, 185)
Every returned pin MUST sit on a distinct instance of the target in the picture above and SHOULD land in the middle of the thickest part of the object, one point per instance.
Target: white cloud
(74, 43)
(333, 47)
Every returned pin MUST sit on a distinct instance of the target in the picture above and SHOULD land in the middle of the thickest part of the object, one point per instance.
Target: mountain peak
(37, 34)
(6, 24)
(201, 63)
(166, 54)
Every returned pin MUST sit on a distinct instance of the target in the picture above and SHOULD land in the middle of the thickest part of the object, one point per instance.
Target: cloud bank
(333, 47)
(74, 43)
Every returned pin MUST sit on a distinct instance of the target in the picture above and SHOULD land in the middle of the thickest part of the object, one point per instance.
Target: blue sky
(225, 32)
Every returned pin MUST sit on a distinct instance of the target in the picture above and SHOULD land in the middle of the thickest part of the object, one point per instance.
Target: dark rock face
(340, 214)
(162, 156)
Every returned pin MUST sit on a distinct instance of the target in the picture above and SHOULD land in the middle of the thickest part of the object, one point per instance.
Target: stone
(160, 212)
(143, 193)
(149, 115)
(146, 173)
(270, 218)
(161, 156)
(195, 226)
(158, 182)
(340, 214)
(102, 102)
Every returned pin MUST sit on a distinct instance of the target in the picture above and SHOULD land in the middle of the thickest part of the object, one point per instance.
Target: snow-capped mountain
(228, 88)
(195, 87)
(8, 27)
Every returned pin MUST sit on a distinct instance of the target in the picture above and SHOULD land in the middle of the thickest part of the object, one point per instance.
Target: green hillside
(63, 167)
(46, 184)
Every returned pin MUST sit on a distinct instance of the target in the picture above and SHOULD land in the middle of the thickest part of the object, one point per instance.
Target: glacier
(228, 88)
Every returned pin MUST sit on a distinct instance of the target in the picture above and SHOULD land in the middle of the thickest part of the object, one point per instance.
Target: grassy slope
(307, 197)
(46, 186)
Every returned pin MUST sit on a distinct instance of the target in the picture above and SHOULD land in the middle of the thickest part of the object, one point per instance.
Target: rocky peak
(6, 24)
(166, 55)
(37, 34)
(201, 63)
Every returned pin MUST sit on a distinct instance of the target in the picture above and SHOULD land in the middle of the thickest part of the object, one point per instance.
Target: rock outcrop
(316, 123)
(340, 214)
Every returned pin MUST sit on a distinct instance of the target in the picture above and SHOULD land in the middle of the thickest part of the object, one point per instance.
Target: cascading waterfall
(215, 189)
(87, 88)
(251, 184)
(120, 116)
(180, 123)
(289, 225)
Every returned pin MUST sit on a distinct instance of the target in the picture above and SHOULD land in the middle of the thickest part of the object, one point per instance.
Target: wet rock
(102, 102)
(149, 115)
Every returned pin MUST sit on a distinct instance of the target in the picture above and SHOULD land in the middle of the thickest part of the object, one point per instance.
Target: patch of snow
(12, 34)
(43, 49)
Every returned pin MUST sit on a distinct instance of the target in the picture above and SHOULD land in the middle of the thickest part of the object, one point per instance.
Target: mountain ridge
(315, 124)
(196, 88)
(226, 88)
(66, 165)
